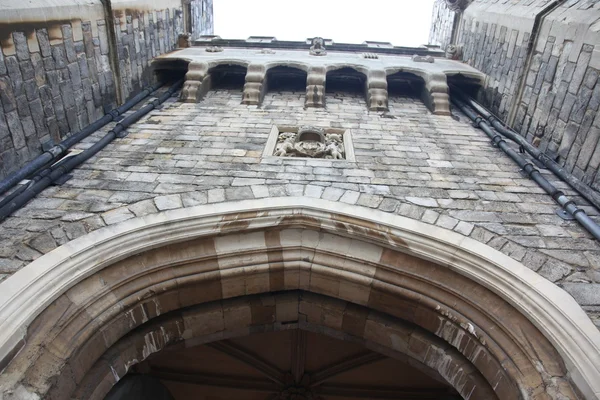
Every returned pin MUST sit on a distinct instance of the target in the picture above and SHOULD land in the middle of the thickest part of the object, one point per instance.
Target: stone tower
(297, 220)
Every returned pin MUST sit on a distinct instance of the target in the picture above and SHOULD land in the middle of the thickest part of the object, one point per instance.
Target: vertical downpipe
(113, 54)
(531, 46)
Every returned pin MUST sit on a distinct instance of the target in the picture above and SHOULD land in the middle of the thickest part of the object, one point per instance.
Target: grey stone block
(43, 42)
(581, 104)
(58, 54)
(588, 147)
(83, 66)
(46, 99)
(70, 51)
(586, 294)
(7, 97)
(591, 78)
(568, 71)
(23, 106)
(102, 35)
(28, 128)
(551, 69)
(568, 138)
(72, 119)
(38, 69)
(74, 74)
(567, 106)
(14, 72)
(580, 71)
(31, 89)
(53, 82)
(88, 40)
(3, 70)
(27, 71)
(67, 94)
(16, 129)
(49, 64)
(37, 113)
(21, 48)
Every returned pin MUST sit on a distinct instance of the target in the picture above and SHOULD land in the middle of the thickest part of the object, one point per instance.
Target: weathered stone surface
(71, 53)
(559, 82)
(491, 203)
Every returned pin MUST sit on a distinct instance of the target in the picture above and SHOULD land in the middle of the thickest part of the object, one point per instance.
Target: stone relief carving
(318, 47)
(266, 51)
(425, 59)
(454, 52)
(184, 40)
(310, 142)
(457, 5)
(214, 49)
(370, 56)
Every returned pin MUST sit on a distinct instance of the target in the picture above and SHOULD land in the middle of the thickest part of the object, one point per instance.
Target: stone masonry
(57, 76)
(408, 162)
(442, 22)
(546, 89)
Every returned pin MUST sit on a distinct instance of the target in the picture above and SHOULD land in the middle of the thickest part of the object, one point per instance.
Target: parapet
(316, 61)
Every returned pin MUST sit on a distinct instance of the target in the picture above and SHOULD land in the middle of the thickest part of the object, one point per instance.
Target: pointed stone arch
(60, 315)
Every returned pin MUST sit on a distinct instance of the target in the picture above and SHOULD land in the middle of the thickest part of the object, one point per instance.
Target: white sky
(401, 22)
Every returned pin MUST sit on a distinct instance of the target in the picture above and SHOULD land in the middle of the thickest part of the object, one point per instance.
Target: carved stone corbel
(377, 93)
(318, 47)
(197, 82)
(184, 40)
(315, 87)
(255, 87)
(457, 5)
(435, 94)
(454, 52)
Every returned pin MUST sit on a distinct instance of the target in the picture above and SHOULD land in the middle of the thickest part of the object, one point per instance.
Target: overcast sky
(401, 22)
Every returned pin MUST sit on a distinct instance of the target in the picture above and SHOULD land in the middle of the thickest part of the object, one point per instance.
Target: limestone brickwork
(544, 86)
(58, 74)
(408, 162)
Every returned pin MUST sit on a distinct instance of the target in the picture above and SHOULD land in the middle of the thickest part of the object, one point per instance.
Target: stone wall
(546, 89)
(63, 69)
(442, 22)
(408, 162)
(201, 12)
(559, 106)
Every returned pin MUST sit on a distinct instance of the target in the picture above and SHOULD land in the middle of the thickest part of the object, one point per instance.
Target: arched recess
(291, 76)
(434, 91)
(228, 75)
(402, 83)
(346, 78)
(199, 77)
(62, 313)
(467, 83)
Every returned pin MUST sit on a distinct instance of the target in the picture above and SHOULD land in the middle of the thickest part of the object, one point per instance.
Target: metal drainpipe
(54, 153)
(113, 54)
(526, 166)
(66, 165)
(581, 188)
(532, 45)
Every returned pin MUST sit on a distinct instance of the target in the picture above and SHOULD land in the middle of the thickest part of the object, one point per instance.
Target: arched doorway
(79, 319)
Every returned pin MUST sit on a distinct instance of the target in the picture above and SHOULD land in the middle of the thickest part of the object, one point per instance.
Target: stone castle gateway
(265, 219)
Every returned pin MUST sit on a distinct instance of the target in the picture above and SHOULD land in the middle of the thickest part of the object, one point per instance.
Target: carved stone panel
(310, 142)
(318, 47)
